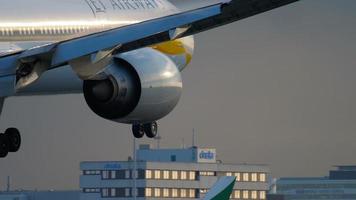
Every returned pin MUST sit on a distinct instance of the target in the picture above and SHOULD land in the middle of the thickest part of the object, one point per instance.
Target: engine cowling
(140, 86)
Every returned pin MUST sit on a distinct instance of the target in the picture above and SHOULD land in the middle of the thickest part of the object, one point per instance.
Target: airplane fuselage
(30, 23)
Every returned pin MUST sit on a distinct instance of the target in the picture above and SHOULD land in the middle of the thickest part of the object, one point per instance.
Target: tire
(151, 129)
(137, 131)
(14, 139)
(4, 147)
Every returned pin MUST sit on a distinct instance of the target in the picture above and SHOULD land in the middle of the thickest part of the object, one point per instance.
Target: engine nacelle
(141, 86)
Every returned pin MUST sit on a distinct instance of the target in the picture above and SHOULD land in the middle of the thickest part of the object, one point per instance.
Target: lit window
(254, 194)
(127, 192)
(157, 192)
(148, 174)
(263, 177)
(113, 175)
(165, 174)
(157, 174)
(127, 174)
(237, 194)
(191, 175)
(165, 192)
(183, 193)
(254, 177)
(148, 192)
(228, 174)
(245, 194)
(245, 177)
(238, 176)
(183, 175)
(174, 192)
(262, 194)
(191, 193)
(174, 175)
(105, 192)
(113, 192)
(105, 175)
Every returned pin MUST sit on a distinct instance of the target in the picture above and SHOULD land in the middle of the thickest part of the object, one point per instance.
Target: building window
(157, 174)
(237, 194)
(174, 175)
(238, 176)
(113, 192)
(228, 174)
(254, 177)
(183, 175)
(127, 192)
(191, 193)
(245, 194)
(263, 177)
(127, 174)
(105, 175)
(113, 175)
(254, 194)
(183, 193)
(105, 192)
(174, 192)
(245, 177)
(262, 194)
(148, 192)
(157, 192)
(165, 192)
(173, 158)
(165, 174)
(191, 175)
(148, 174)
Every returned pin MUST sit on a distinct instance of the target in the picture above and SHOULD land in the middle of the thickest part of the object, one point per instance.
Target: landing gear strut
(150, 129)
(10, 141)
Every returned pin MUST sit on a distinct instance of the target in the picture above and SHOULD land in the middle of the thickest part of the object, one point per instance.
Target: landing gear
(150, 129)
(137, 130)
(10, 141)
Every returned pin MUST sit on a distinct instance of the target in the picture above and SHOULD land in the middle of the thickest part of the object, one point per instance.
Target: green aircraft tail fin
(222, 189)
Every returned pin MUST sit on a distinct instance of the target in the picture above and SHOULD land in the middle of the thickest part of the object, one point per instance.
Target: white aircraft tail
(222, 189)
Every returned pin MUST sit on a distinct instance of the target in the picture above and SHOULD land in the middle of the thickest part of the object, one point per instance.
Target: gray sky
(278, 88)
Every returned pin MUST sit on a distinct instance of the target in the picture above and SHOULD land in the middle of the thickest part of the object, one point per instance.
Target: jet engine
(139, 87)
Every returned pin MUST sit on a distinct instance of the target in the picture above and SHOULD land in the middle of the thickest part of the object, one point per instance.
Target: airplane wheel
(14, 139)
(4, 147)
(138, 131)
(151, 129)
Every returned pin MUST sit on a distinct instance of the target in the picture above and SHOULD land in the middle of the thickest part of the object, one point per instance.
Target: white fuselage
(26, 23)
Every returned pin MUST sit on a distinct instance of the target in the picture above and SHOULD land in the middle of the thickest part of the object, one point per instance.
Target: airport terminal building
(339, 185)
(169, 174)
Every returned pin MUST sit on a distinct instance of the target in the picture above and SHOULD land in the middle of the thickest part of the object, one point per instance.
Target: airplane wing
(138, 35)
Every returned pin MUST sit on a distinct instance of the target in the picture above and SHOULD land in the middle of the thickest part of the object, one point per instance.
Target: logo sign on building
(206, 155)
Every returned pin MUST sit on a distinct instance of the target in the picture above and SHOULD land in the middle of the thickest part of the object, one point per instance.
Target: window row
(171, 193)
(248, 177)
(248, 194)
(145, 192)
(170, 175)
(144, 174)
(42, 30)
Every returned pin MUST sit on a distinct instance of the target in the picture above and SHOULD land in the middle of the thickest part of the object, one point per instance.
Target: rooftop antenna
(158, 138)
(193, 139)
(8, 184)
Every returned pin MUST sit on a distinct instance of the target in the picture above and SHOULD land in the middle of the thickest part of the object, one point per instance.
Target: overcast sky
(276, 89)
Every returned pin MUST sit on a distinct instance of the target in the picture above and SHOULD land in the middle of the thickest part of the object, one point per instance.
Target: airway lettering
(133, 4)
